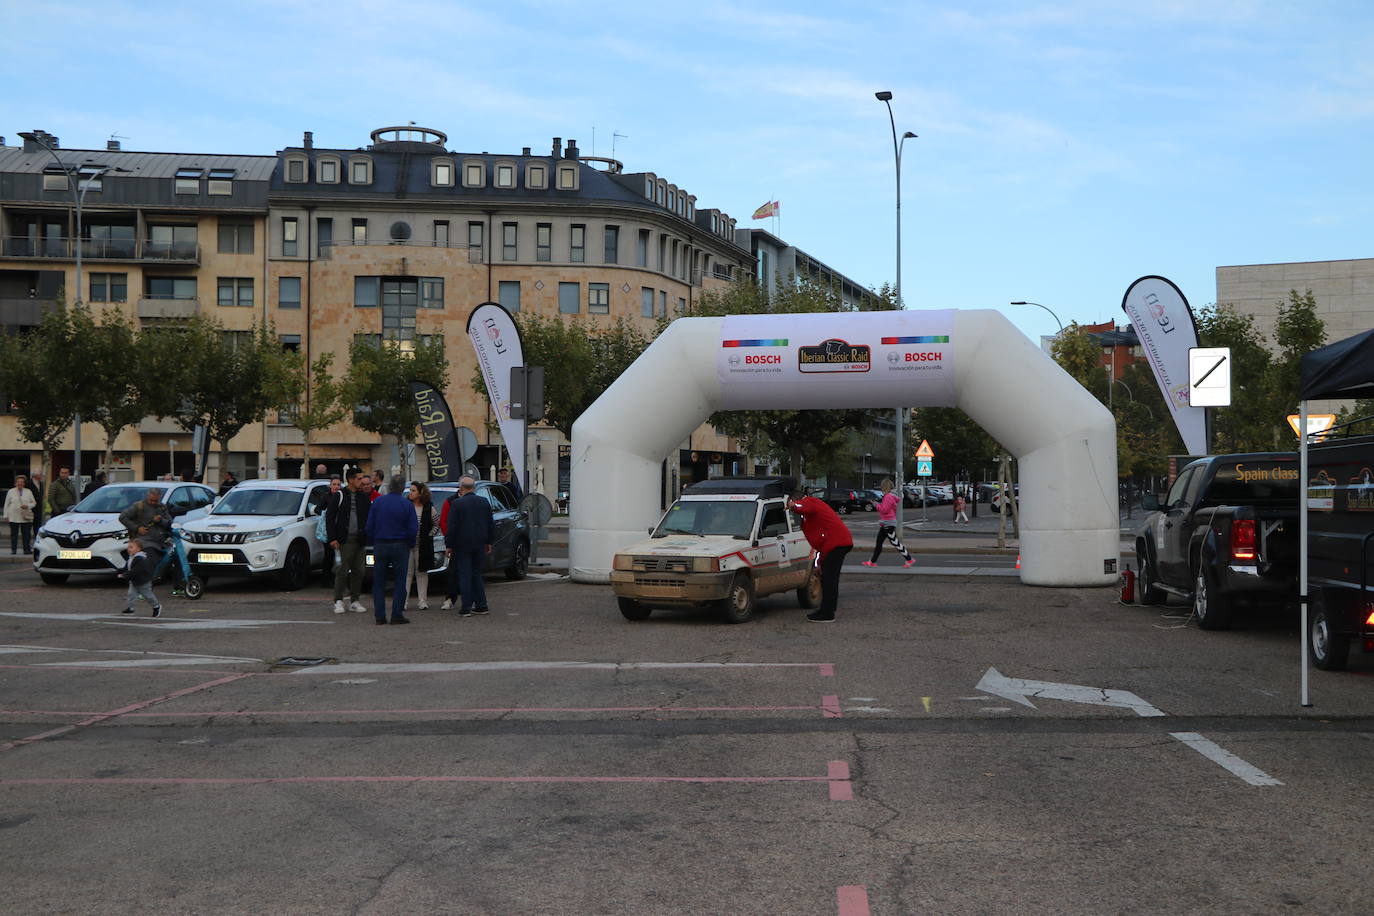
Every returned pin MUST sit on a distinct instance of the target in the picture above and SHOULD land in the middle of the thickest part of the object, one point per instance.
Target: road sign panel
(923, 467)
(925, 451)
(1209, 377)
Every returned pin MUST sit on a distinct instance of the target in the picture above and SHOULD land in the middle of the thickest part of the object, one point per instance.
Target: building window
(324, 235)
(673, 271)
(187, 181)
(662, 302)
(642, 249)
(598, 298)
(360, 171)
(505, 175)
(536, 177)
(327, 171)
(509, 236)
(431, 292)
(236, 291)
(649, 186)
(359, 230)
(672, 199)
(476, 231)
(577, 244)
(474, 174)
(366, 292)
(646, 301)
(109, 288)
(442, 174)
(567, 178)
(508, 295)
(569, 298)
(612, 244)
(291, 342)
(662, 190)
(288, 292)
(55, 181)
(441, 233)
(400, 297)
(682, 306)
(221, 183)
(173, 243)
(235, 237)
(289, 229)
(543, 242)
(662, 252)
(170, 287)
(295, 170)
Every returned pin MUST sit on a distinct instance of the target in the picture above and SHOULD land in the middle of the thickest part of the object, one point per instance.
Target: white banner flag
(1164, 323)
(496, 340)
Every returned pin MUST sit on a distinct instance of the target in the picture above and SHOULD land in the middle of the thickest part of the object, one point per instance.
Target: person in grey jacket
(149, 521)
(62, 493)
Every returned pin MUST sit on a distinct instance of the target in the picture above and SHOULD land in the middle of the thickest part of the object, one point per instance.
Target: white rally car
(722, 544)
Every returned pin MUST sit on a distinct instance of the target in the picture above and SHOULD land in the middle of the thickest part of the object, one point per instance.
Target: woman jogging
(887, 526)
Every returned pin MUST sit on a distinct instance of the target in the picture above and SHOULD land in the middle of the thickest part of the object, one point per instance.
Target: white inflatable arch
(1064, 438)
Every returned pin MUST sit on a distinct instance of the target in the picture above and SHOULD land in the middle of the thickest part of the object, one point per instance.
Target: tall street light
(886, 98)
(80, 177)
(1046, 308)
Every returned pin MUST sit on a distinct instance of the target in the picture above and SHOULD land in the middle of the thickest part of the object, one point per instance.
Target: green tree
(42, 382)
(1297, 331)
(321, 404)
(959, 443)
(227, 379)
(377, 384)
(1081, 357)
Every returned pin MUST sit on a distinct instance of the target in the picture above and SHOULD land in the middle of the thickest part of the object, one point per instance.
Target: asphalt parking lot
(953, 744)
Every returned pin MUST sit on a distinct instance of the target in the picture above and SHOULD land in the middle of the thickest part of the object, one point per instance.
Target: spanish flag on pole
(769, 209)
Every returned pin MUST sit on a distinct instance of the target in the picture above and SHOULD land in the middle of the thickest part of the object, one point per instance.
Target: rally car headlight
(706, 564)
(624, 561)
(262, 535)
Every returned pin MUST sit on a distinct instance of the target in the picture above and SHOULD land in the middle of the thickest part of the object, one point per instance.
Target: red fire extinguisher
(1128, 586)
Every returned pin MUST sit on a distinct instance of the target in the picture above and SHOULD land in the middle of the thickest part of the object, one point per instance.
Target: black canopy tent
(1344, 369)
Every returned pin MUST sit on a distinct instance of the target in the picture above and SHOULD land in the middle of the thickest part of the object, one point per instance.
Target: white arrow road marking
(1016, 690)
(1225, 759)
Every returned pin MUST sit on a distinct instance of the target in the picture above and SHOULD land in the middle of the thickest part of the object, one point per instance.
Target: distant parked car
(842, 499)
(870, 499)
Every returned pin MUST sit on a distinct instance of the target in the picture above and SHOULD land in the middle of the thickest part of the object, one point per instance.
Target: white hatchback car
(88, 539)
(260, 528)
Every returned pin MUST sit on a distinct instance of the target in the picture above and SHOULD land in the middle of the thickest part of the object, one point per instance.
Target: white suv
(261, 528)
(88, 540)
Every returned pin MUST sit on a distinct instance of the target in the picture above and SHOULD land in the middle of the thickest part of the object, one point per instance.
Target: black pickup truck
(1226, 534)
(1340, 547)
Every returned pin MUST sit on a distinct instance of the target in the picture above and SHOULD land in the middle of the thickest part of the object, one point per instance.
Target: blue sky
(1065, 148)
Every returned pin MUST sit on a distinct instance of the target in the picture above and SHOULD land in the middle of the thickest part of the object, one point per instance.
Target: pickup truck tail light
(1243, 539)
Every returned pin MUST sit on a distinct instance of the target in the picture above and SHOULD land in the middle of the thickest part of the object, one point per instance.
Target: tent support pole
(1302, 540)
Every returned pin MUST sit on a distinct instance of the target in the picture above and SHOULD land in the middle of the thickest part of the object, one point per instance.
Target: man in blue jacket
(392, 527)
(467, 540)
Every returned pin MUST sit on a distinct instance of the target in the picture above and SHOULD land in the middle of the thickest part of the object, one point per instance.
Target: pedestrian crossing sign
(923, 467)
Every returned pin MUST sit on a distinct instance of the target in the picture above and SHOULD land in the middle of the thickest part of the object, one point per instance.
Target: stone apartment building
(397, 240)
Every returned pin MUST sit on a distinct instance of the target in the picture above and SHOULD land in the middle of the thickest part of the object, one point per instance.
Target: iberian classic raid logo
(835, 355)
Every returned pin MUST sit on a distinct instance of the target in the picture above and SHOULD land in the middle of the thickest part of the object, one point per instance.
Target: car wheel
(296, 569)
(809, 595)
(519, 566)
(53, 578)
(632, 609)
(195, 587)
(844, 510)
(738, 605)
(1150, 593)
(1212, 610)
(1329, 650)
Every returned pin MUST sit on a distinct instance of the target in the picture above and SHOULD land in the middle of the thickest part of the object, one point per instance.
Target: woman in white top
(19, 508)
(422, 551)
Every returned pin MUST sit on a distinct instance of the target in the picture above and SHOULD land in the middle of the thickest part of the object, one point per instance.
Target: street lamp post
(868, 456)
(886, 98)
(78, 187)
(1046, 308)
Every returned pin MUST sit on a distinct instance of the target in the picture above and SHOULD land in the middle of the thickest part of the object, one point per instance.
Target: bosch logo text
(934, 356)
(771, 358)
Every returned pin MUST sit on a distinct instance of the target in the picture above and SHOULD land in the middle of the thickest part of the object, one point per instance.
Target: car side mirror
(1149, 502)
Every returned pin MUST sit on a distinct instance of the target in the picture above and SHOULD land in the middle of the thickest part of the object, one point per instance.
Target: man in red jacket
(830, 538)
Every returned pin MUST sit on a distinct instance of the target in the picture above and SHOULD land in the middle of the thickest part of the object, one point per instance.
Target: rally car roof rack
(755, 486)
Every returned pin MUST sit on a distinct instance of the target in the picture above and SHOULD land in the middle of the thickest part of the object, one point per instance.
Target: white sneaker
(447, 605)
(339, 607)
(356, 608)
(423, 606)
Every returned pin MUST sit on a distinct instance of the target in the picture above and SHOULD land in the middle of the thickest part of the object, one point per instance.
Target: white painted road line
(1225, 759)
(169, 655)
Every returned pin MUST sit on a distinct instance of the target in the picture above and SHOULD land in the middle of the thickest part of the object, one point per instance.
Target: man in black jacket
(468, 538)
(345, 524)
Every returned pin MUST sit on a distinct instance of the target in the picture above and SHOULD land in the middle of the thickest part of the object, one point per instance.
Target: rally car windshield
(113, 499)
(732, 519)
(239, 501)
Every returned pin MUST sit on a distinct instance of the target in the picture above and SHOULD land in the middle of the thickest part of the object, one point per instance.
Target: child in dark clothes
(140, 575)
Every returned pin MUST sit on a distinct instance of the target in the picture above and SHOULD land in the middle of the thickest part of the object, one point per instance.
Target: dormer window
(442, 173)
(327, 170)
(54, 179)
(649, 186)
(295, 170)
(661, 193)
(505, 175)
(221, 183)
(474, 173)
(672, 199)
(187, 181)
(360, 170)
(692, 209)
(567, 177)
(536, 176)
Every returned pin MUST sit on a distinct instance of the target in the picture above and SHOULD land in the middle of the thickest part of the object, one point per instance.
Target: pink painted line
(266, 780)
(826, 670)
(830, 707)
(852, 900)
(123, 710)
(841, 789)
(402, 712)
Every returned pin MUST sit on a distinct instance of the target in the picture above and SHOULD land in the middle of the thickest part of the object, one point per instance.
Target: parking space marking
(841, 789)
(442, 667)
(852, 900)
(830, 707)
(449, 710)
(123, 710)
(1225, 759)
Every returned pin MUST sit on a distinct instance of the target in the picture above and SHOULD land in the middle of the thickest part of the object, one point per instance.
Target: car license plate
(214, 558)
(370, 560)
(73, 554)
